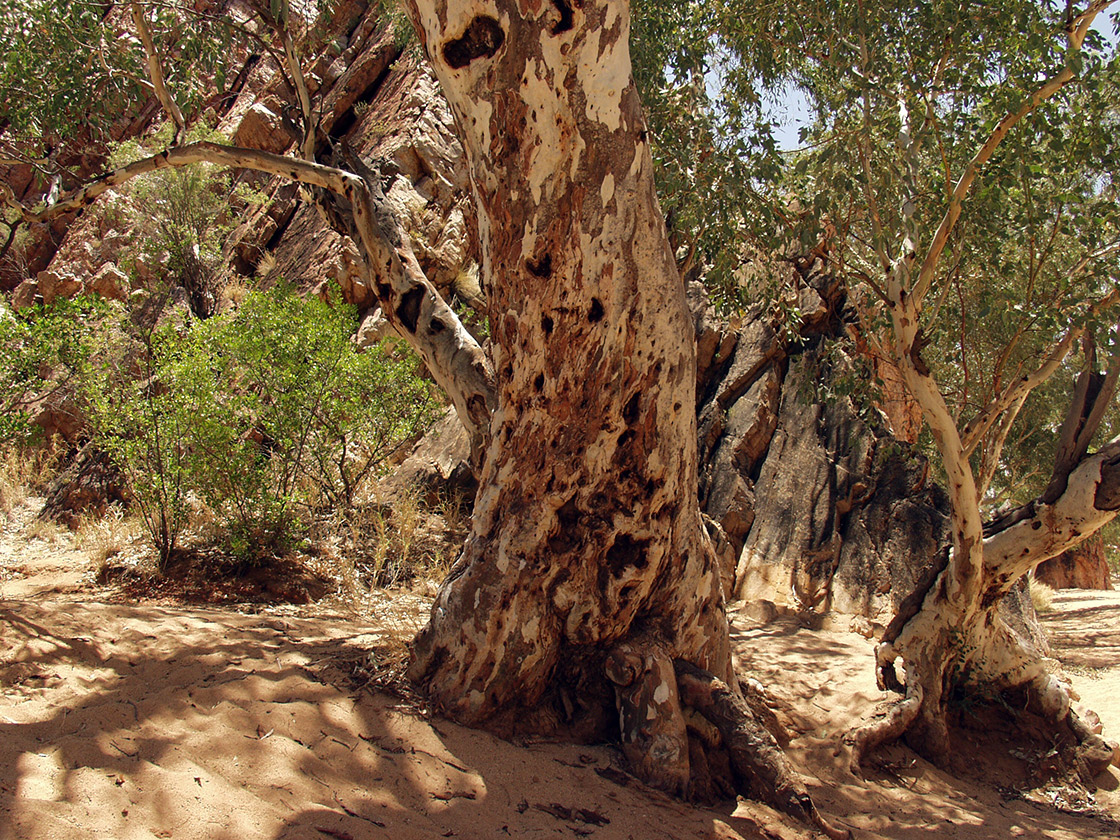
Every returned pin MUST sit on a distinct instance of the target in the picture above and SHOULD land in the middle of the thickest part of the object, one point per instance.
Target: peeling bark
(588, 572)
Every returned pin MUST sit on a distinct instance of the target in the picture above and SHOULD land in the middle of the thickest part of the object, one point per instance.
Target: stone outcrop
(86, 488)
(823, 509)
(1083, 567)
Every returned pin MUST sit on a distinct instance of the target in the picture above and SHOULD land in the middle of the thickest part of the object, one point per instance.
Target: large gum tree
(959, 173)
(587, 601)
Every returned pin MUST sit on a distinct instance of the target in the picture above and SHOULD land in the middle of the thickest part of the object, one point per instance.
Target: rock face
(824, 510)
(376, 100)
(1084, 567)
(87, 487)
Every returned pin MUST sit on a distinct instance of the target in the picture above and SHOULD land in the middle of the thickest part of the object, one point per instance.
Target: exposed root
(1051, 695)
(654, 737)
(1093, 755)
(754, 755)
(869, 736)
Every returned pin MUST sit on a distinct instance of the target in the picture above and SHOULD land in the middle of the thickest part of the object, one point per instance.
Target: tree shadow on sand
(138, 720)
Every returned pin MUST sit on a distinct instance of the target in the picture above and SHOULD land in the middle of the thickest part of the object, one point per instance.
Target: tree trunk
(586, 529)
(587, 572)
(950, 642)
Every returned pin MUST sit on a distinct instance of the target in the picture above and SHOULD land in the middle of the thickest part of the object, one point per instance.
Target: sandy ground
(125, 719)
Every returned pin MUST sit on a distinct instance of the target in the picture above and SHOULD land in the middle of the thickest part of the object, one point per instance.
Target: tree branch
(155, 72)
(1079, 27)
(1092, 397)
(1038, 530)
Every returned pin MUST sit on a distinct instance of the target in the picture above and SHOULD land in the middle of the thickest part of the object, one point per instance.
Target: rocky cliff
(375, 98)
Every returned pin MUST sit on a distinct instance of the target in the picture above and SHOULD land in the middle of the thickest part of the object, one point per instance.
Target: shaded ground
(136, 719)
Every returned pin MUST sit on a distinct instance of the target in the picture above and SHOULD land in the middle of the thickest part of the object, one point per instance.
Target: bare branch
(155, 72)
(993, 452)
(307, 142)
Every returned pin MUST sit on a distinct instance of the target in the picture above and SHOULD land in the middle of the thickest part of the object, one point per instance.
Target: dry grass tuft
(1042, 596)
(44, 530)
(104, 538)
(25, 471)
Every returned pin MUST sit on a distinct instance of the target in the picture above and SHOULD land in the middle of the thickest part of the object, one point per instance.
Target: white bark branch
(1088, 503)
(1079, 28)
(155, 72)
(307, 142)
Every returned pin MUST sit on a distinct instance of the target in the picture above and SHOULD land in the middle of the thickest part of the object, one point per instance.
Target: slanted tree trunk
(587, 573)
(950, 636)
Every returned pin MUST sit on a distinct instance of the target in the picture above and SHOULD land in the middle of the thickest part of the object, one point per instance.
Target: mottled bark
(587, 571)
(586, 525)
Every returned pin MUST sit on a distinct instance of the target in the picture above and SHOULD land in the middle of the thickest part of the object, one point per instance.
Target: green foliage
(1036, 240)
(712, 151)
(298, 419)
(41, 347)
(184, 212)
(266, 414)
(141, 422)
(67, 71)
(50, 45)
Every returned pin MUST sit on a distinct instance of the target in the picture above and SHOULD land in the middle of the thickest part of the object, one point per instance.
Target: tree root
(753, 753)
(871, 735)
(1094, 754)
(686, 732)
(654, 736)
(1047, 704)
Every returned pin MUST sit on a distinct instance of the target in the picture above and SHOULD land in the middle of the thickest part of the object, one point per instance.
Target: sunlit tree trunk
(587, 531)
(587, 581)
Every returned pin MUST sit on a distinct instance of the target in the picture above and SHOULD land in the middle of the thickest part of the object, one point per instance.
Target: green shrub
(142, 421)
(42, 347)
(268, 414)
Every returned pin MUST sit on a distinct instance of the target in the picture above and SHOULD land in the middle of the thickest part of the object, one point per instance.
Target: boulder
(55, 283)
(372, 327)
(261, 128)
(437, 468)
(26, 294)
(1082, 567)
(109, 282)
(58, 413)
